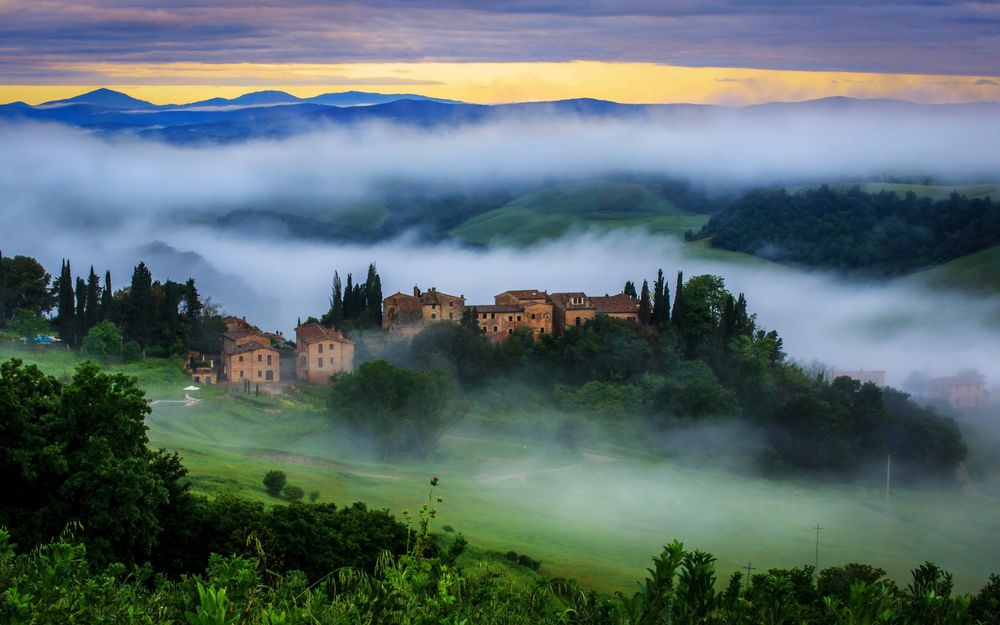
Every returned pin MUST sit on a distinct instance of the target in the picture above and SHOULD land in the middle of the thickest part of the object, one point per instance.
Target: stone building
(408, 314)
(236, 323)
(202, 368)
(321, 352)
(569, 310)
(529, 308)
(965, 390)
(618, 306)
(258, 363)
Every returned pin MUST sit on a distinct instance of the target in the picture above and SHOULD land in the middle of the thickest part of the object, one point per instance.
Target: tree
(336, 302)
(93, 313)
(79, 451)
(661, 301)
(630, 290)
(293, 493)
(24, 283)
(401, 410)
(107, 298)
(274, 482)
(678, 314)
(81, 309)
(140, 320)
(103, 341)
(66, 319)
(645, 307)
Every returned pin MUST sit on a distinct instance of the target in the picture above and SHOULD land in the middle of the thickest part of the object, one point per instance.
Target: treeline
(147, 317)
(879, 234)
(700, 359)
(356, 305)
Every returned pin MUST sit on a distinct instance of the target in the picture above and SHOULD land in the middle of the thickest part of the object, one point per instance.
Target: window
(270, 376)
(241, 358)
(494, 328)
(241, 375)
(319, 363)
(576, 321)
(259, 373)
(493, 315)
(483, 315)
(208, 380)
(434, 316)
(541, 330)
(302, 361)
(519, 317)
(451, 315)
(321, 348)
(509, 331)
(269, 360)
(451, 303)
(510, 317)
(532, 315)
(197, 379)
(260, 357)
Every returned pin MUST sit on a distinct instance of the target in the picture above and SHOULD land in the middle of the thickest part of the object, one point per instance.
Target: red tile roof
(620, 303)
(312, 332)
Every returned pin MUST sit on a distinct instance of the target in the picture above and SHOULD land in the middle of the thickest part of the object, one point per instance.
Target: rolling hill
(552, 211)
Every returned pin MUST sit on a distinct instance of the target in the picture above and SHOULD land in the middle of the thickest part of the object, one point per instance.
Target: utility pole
(749, 568)
(816, 565)
(888, 469)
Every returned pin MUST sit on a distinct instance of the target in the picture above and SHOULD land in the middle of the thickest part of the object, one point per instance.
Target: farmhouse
(408, 314)
(571, 309)
(321, 352)
(620, 306)
(965, 390)
(512, 310)
(247, 355)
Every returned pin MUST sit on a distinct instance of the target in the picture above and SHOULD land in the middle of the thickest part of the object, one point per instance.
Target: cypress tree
(661, 301)
(375, 300)
(678, 313)
(349, 307)
(644, 305)
(630, 290)
(140, 317)
(67, 310)
(336, 302)
(93, 299)
(107, 297)
(81, 310)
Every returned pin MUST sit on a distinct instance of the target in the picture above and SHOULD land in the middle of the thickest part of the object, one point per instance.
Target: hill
(979, 272)
(552, 211)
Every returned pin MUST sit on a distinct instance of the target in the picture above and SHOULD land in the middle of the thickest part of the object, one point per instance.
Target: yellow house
(321, 352)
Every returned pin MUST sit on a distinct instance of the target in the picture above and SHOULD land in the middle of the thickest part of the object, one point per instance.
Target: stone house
(569, 310)
(256, 362)
(202, 368)
(528, 308)
(321, 352)
(618, 306)
(965, 390)
(236, 323)
(408, 314)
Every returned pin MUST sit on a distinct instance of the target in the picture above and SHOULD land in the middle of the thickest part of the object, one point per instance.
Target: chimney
(416, 291)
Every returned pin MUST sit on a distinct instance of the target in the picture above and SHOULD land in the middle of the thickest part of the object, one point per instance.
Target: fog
(111, 203)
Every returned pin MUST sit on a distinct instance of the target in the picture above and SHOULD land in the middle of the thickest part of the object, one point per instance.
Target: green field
(979, 272)
(598, 515)
(550, 212)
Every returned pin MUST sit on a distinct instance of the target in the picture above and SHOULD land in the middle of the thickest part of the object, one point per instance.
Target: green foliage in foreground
(55, 584)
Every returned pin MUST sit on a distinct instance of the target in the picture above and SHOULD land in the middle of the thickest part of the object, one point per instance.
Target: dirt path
(187, 401)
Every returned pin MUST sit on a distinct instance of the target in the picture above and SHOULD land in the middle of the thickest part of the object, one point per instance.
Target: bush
(131, 352)
(103, 341)
(274, 482)
(293, 493)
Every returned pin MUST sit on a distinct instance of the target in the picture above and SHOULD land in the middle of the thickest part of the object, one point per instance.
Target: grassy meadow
(595, 514)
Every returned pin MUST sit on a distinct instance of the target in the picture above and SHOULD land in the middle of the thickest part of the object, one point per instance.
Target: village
(265, 360)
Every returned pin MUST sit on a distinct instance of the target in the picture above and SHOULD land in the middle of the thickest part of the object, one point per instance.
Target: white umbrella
(191, 388)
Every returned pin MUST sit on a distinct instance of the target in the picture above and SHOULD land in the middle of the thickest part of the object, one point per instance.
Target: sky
(723, 51)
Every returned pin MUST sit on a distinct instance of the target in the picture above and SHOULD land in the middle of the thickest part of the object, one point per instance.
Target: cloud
(898, 36)
(984, 82)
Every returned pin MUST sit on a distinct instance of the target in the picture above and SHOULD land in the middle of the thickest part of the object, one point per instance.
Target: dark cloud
(918, 36)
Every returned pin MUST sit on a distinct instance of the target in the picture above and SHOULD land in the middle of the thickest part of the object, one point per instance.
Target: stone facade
(569, 310)
(260, 364)
(408, 314)
(618, 306)
(965, 390)
(321, 352)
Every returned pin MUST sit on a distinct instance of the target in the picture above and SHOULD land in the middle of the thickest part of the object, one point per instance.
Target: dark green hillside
(873, 234)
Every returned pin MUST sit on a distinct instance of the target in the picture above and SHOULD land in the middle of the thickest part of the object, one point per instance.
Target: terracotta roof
(252, 347)
(492, 308)
(620, 303)
(398, 295)
(433, 296)
(312, 332)
(241, 332)
(527, 294)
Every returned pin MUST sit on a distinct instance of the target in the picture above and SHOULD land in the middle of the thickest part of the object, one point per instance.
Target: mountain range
(276, 114)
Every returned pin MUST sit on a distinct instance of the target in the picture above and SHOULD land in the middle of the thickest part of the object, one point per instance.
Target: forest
(873, 234)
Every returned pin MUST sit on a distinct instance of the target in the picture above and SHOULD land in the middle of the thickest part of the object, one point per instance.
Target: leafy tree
(274, 482)
(403, 410)
(293, 493)
(103, 341)
(78, 452)
(24, 283)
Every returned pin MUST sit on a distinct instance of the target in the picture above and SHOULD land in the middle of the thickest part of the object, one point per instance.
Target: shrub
(103, 341)
(131, 352)
(274, 482)
(293, 493)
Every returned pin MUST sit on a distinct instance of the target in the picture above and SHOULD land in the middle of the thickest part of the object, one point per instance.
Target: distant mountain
(105, 98)
(276, 114)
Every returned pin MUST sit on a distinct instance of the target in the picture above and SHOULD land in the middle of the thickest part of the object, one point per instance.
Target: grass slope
(550, 212)
(979, 272)
(598, 515)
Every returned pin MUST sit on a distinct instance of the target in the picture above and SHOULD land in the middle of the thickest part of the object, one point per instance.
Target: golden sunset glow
(510, 82)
